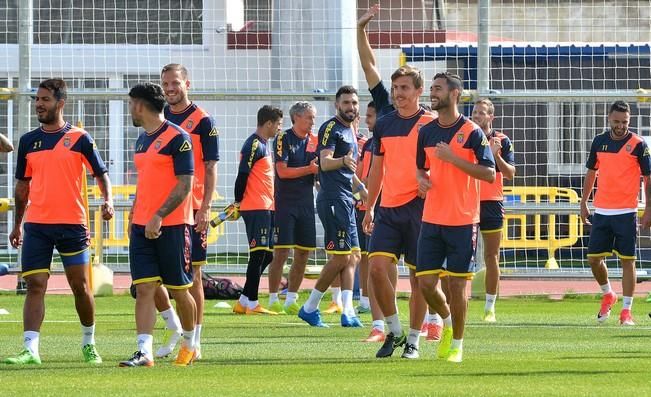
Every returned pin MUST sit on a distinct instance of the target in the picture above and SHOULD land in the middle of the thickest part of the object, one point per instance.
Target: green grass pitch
(538, 348)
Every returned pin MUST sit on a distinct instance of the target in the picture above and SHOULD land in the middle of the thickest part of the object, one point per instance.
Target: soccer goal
(551, 68)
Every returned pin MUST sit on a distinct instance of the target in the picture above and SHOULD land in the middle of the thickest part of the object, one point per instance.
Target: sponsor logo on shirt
(185, 147)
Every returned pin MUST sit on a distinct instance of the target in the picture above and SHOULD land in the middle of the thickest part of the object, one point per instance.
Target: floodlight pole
(483, 48)
(483, 86)
(25, 40)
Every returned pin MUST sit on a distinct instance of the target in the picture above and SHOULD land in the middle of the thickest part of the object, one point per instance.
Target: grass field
(538, 348)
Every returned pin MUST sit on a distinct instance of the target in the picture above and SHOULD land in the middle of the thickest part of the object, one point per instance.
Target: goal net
(554, 68)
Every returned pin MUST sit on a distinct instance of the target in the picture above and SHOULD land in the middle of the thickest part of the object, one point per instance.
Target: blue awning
(522, 53)
(525, 53)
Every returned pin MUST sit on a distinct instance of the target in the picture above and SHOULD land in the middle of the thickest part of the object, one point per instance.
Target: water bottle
(220, 218)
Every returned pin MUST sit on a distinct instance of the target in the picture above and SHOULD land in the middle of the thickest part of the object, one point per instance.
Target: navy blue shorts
(40, 239)
(361, 236)
(613, 234)
(447, 250)
(396, 232)
(166, 259)
(339, 226)
(199, 246)
(294, 226)
(491, 216)
(259, 226)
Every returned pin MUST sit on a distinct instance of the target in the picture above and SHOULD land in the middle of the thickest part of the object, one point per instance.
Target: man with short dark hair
(254, 197)
(160, 219)
(205, 147)
(620, 157)
(455, 152)
(337, 164)
(49, 176)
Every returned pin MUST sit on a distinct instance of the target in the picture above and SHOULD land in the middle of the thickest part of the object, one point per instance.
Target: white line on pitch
(524, 326)
(46, 321)
(611, 326)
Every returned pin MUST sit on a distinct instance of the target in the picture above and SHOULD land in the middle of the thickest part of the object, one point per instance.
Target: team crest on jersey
(331, 245)
(459, 138)
(253, 243)
(342, 243)
(158, 144)
(263, 240)
(66, 141)
(628, 148)
(189, 125)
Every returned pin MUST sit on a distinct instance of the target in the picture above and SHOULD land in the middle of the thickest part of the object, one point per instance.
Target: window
(108, 22)
(571, 128)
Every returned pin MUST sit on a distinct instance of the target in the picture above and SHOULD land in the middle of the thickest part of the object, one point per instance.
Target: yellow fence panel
(544, 235)
(116, 235)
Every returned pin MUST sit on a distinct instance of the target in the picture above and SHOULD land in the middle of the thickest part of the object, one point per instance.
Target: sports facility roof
(523, 53)
(526, 52)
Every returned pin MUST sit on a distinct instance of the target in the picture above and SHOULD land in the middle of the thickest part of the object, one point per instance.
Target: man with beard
(620, 157)
(337, 150)
(456, 153)
(160, 222)
(205, 146)
(49, 176)
(491, 196)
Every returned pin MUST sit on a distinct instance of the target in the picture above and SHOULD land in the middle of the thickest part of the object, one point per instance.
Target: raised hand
(368, 15)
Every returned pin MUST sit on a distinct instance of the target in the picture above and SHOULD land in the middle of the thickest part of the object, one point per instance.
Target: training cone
(222, 305)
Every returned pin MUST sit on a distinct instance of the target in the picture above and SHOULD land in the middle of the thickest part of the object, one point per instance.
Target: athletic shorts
(339, 226)
(294, 227)
(396, 232)
(613, 234)
(447, 250)
(40, 239)
(361, 236)
(166, 259)
(259, 227)
(491, 216)
(199, 246)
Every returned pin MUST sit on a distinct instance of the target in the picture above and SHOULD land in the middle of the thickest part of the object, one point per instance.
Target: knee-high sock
(254, 269)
